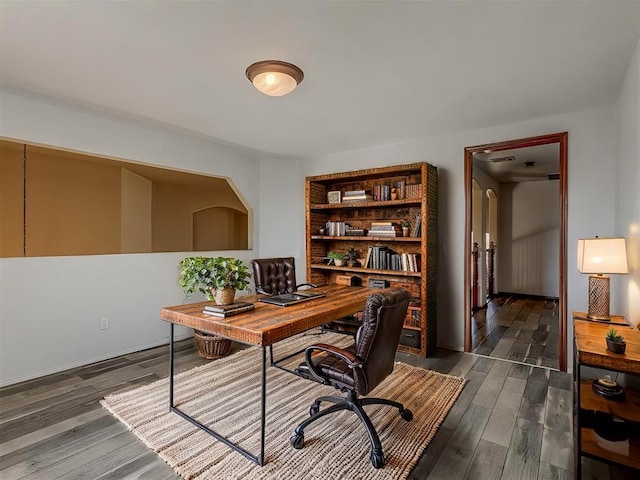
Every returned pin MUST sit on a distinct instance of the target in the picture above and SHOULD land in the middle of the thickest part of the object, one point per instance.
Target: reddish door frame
(561, 139)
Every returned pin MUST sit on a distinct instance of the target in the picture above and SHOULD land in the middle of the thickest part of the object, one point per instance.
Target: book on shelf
(384, 233)
(355, 232)
(354, 193)
(381, 224)
(384, 229)
(228, 310)
(357, 198)
(416, 226)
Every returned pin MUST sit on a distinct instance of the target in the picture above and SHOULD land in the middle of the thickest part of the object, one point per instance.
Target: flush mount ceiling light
(274, 78)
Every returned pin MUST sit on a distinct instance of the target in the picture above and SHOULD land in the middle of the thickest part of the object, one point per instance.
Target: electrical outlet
(104, 323)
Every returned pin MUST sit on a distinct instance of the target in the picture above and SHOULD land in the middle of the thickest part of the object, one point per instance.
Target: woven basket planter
(211, 346)
(224, 296)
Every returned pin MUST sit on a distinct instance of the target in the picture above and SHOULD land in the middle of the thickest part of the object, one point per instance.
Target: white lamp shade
(602, 255)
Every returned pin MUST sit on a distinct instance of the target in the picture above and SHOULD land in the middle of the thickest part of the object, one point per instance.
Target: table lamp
(598, 257)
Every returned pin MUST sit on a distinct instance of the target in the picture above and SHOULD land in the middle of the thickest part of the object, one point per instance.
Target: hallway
(518, 328)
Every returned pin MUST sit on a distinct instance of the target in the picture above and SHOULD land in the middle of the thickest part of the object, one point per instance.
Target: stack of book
(335, 229)
(228, 310)
(384, 229)
(356, 196)
(355, 232)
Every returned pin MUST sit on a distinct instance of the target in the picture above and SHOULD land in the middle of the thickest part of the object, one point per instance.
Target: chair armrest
(345, 355)
(309, 285)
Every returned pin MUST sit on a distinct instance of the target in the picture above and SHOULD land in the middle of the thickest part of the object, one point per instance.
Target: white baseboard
(88, 361)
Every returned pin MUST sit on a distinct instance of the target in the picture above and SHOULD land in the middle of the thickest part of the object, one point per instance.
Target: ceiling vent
(502, 159)
(553, 176)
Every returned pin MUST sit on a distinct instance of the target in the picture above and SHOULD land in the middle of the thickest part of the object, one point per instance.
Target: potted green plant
(216, 278)
(212, 277)
(615, 342)
(337, 257)
(406, 225)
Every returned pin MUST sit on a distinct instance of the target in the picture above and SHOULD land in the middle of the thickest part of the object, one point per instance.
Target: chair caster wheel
(406, 414)
(297, 441)
(313, 410)
(377, 460)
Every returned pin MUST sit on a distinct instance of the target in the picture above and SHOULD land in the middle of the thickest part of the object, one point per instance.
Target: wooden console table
(590, 350)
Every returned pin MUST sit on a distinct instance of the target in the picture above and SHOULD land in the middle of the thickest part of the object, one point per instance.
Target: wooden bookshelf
(423, 204)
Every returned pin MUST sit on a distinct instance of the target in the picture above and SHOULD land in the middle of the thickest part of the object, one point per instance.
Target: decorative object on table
(216, 278)
(337, 257)
(406, 226)
(615, 342)
(607, 388)
(598, 257)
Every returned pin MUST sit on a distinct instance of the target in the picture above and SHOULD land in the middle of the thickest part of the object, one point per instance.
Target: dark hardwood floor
(518, 328)
(512, 421)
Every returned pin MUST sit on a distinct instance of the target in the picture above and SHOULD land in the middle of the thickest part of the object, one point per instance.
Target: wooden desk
(590, 349)
(262, 327)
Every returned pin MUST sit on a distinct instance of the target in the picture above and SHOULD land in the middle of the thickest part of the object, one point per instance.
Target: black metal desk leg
(264, 403)
(171, 366)
(263, 409)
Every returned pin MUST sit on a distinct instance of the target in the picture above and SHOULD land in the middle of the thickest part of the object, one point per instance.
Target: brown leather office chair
(275, 276)
(360, 368)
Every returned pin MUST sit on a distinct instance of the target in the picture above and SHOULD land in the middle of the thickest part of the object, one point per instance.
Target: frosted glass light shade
(274, 77)
(602, 255)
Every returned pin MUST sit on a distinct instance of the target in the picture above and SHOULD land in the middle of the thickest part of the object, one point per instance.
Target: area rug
(225, 393)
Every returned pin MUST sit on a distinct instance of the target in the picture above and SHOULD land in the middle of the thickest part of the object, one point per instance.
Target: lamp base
(599, 298)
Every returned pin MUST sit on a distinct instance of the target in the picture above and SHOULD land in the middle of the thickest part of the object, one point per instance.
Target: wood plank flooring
(519, 328)
(512, 421)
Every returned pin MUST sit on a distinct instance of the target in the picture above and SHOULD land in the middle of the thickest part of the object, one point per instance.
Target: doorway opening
(515, 247)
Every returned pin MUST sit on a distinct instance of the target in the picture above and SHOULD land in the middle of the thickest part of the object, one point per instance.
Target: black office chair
(275, 276)
(358, 369)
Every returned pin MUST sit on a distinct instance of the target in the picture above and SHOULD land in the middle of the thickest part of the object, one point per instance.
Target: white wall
(529, 251)
(282, 203)
(625, 294)
(591, 192)
(50, 307)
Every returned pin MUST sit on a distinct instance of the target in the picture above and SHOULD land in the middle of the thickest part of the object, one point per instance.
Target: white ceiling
(376, 73)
